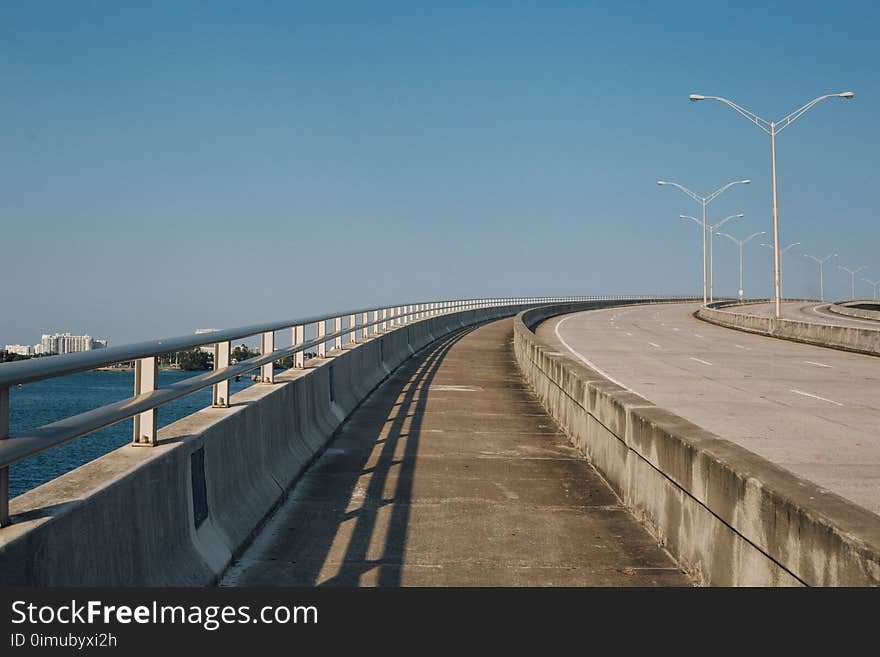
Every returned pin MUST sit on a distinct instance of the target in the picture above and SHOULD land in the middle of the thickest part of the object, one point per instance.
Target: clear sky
(174, 165)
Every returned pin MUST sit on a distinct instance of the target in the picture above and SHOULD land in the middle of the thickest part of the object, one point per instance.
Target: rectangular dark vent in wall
(199, 488)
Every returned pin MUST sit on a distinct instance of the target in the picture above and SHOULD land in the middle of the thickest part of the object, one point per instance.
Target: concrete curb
(176, 514)
(845, 338)
(729, 517)
(845, 309)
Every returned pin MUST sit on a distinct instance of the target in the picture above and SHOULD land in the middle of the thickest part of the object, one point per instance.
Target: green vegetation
(194, 359)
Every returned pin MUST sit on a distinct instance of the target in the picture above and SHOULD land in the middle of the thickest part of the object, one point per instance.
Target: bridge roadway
(805, 311)
(812, 410)
(451, 473)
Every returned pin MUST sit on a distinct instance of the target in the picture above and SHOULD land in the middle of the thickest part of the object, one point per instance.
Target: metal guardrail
(360, 324)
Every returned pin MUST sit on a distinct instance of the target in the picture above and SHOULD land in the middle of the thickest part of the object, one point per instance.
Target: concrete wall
(846, 338)
(846, 309)
(729, 517)
(176, 514)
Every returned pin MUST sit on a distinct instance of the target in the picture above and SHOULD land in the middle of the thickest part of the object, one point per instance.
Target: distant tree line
(8, 356)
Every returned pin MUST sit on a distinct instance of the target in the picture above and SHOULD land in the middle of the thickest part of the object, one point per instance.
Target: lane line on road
(697, 335)
(700, 360)
(809, 362)
(807, 394)
(585, 360)
(654, 344)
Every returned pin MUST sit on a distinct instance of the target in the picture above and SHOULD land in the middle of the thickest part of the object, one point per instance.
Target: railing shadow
(404, 396)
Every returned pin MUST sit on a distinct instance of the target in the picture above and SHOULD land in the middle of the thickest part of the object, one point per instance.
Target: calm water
(42, 402)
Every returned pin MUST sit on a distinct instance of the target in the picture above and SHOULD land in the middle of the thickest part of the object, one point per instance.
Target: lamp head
(745, 182)
(662, 182)
(696, 97)
(849, 95)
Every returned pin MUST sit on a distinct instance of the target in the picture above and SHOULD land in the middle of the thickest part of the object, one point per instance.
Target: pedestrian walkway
(452, 474)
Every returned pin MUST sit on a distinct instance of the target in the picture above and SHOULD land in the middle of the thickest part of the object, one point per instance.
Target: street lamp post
(821, 262)
(873, 284)
(712, 234)
(852, 273)
(704, 201)
(773, 128)
(740, 243)
(777, 257)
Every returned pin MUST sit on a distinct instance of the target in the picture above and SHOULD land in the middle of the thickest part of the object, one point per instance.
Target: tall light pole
(704, 201)
(777, 257)
(873, 284)
(821, 262)
(852, 273)
(711, 249)
(773, 128)
(741, 243)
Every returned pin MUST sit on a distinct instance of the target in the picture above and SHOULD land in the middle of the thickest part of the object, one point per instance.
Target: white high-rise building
(19, 349)
(67, 343)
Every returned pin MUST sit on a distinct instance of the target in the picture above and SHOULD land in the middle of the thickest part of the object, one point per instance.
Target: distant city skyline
(174, 167)
(57, 343)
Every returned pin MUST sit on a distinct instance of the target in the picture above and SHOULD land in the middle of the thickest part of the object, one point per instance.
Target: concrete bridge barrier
(729, 517)
(846, 308)
(847, 338)
(176, 513)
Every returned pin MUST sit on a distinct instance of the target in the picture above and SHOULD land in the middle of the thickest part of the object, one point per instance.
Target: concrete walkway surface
(452, 474)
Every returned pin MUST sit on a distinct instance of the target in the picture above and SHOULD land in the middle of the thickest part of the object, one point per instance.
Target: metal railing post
(267, 346)
(221, 361)
(384, 319)
(4, 472)
(321, 332)
(366, 329)
(337, 328)
(145, 379)
(298, 336)
(352, 324)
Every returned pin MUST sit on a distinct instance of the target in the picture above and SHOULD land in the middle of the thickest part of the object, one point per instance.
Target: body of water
(42, 402)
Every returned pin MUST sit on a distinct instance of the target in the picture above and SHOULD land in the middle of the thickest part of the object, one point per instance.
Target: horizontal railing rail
(360, 324)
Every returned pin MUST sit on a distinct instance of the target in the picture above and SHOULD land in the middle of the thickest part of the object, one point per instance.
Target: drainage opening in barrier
(199, 489)
(330, 379)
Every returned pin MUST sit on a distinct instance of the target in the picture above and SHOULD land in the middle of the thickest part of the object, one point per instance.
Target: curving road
(812, 410)
(805, 311)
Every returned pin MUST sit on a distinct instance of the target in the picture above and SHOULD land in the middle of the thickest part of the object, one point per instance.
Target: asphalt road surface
(812, 410)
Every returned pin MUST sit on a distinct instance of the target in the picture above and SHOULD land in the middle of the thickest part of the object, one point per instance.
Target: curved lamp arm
(730, 237)
(698, 199)
(786, 121)
(726, 219)
(751, 116)
(721, 190)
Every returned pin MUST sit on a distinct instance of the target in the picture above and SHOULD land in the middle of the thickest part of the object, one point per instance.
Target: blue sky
(174, 165)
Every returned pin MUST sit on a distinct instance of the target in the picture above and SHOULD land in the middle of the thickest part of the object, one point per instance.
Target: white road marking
(809, 362)
(700, 360)
(654, 344)
(675, 328)
(807, 394)
(629, 334)
(739, 346)
(697, 335)
(585, 360)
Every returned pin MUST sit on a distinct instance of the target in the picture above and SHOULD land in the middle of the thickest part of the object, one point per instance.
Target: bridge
(529, 441)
